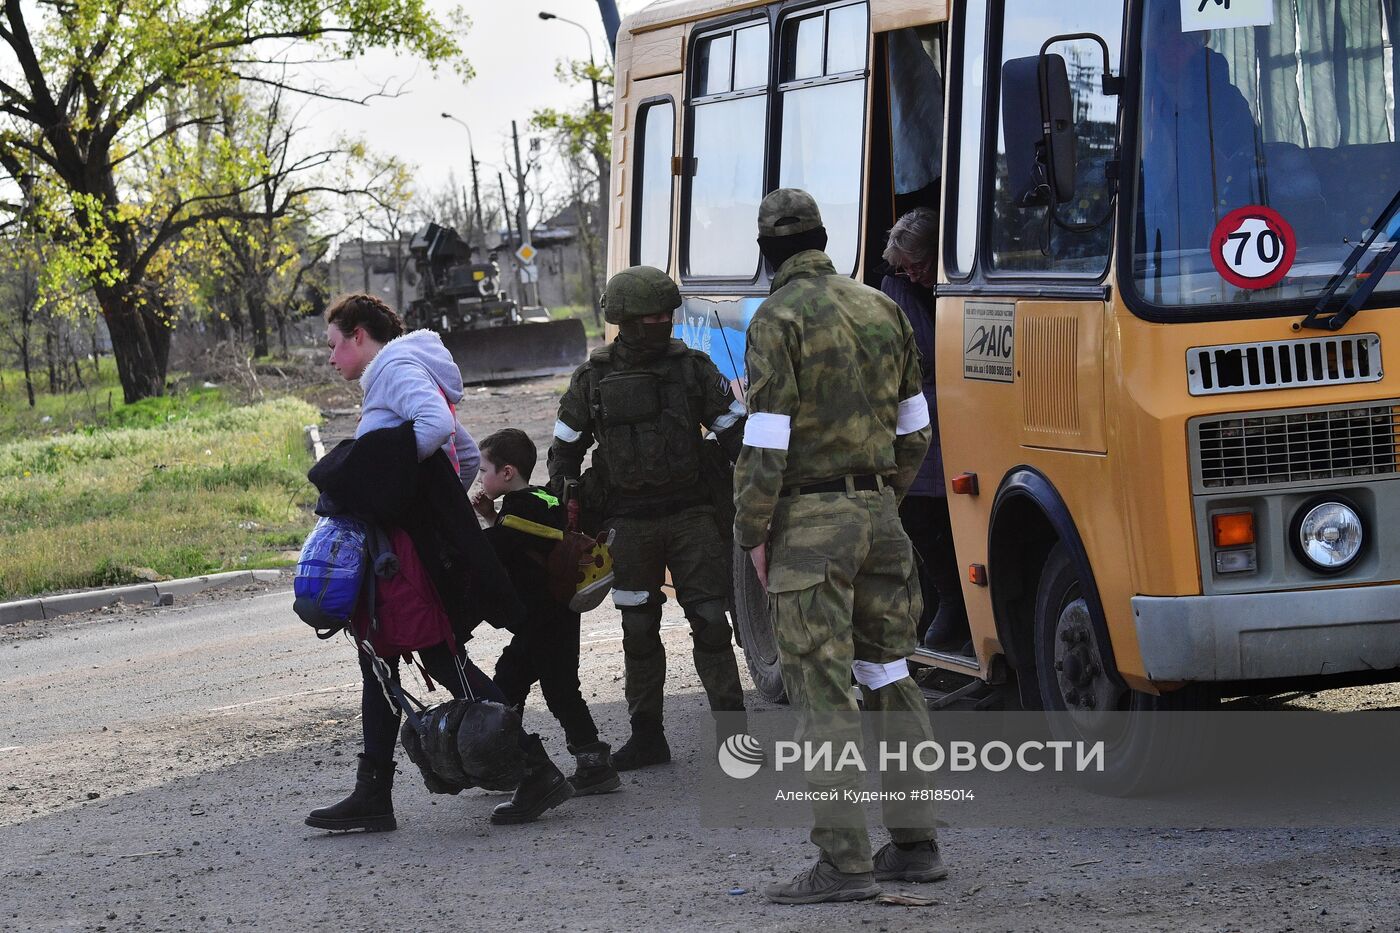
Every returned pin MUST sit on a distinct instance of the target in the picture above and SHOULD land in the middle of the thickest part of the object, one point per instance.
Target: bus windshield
(1265, 151)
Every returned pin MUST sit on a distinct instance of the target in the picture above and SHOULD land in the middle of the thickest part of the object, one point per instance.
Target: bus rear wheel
(756, 630)
(1147, 744)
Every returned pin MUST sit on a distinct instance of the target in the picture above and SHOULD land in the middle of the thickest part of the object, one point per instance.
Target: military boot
(824, 882)
(542, 788)
(595, 773)
(921, 862)
(370, 805)
(646, 747)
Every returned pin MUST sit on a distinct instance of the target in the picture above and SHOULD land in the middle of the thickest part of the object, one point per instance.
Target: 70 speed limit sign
(1253, 247)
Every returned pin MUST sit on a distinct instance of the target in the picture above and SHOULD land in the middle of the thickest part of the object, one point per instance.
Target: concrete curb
(150, 593)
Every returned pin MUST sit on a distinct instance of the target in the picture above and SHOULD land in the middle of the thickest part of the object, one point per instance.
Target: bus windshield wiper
(1365, 281)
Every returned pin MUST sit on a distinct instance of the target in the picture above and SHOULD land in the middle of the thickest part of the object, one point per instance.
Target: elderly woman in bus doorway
(912, 255)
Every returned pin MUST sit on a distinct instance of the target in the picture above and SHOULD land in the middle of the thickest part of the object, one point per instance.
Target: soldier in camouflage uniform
(836, 431)
(644, 397)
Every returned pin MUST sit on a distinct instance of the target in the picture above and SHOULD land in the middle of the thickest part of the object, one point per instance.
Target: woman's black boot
(542, 788)
(370, 805)
(948, 629)
(595, 773)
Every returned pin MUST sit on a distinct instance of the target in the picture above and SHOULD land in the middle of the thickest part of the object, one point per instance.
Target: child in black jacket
(546, 648)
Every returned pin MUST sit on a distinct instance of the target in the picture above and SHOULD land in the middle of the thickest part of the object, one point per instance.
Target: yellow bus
(1163, 306)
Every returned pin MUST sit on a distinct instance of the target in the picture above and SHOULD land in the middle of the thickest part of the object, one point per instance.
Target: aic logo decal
(989, 341)
(740, 756)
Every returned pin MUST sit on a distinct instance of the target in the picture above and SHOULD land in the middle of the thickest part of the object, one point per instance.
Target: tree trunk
(48, 357)
(282, 316)
(600, 229)
(257, 316)
(24, 356)
(160, 334)
(141, 351)
(74, 357)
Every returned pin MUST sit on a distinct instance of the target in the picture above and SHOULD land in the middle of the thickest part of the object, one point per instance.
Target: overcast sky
(514, 53)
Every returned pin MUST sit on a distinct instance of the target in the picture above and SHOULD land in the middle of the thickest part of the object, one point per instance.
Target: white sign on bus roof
(1197, 15)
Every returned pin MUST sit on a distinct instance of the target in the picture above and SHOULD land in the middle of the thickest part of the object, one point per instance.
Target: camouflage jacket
(834, 390)
(662, 450)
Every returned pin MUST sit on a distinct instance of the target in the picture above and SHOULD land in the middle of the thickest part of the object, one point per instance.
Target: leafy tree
(97, 86)
(583, 138)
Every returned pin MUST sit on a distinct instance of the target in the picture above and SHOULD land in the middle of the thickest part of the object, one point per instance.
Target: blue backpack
(333, 564)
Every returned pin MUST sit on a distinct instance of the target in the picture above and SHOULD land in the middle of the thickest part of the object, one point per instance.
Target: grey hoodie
(412, 379)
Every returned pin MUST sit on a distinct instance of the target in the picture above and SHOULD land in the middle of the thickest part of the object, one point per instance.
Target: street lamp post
(476, 191)
(592, 63)
(604, 169)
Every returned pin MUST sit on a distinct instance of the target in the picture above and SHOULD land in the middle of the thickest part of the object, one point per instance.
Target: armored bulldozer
(491, 340)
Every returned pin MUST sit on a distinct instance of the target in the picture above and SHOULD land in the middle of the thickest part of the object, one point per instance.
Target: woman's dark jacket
(377, 477)
(917, 304)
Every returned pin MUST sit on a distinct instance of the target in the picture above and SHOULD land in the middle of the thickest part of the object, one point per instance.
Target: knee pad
(876, 675)
(640, 623)
(709, 625)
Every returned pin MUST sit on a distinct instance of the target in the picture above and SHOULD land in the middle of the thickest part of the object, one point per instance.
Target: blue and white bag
(333, 564)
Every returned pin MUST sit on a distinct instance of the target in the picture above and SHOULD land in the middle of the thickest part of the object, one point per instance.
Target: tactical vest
(648, 435)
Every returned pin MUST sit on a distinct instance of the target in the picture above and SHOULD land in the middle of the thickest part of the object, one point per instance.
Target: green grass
(97, 406)
(223, 489)
(583, 313)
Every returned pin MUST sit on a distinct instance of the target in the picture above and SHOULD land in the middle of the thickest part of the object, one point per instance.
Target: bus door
(1023, 298)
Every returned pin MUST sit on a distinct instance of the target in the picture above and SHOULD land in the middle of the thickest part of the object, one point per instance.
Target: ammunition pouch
(648, 435)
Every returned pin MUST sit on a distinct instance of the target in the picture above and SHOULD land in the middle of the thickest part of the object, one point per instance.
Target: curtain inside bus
(916, 108)
(1341, 93)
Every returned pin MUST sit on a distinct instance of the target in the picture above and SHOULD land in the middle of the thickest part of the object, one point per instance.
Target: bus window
(967, 125)
(715, 60)
(651, 224)
(1025, 237)
(728, 127)
(823, 118)
(802, 48)
(751, 57)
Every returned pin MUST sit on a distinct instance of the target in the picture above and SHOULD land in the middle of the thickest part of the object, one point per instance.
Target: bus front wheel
(756, 630)
(1147, 743)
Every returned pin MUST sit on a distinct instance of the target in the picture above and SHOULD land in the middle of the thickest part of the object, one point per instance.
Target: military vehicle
(489, 336)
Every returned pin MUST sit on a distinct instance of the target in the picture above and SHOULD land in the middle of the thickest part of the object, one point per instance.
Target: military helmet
(788, 211)
(637, 292)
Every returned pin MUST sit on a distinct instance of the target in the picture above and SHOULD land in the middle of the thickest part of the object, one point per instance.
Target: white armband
(727, 420)
(913, 415)
(873, 675)
(767, 430)
(565, 433)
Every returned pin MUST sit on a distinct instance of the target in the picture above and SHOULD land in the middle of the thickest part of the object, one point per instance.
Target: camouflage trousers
(688, 543)
(844, 598)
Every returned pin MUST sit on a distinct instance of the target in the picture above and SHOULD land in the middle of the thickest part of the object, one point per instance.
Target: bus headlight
(1329, 536)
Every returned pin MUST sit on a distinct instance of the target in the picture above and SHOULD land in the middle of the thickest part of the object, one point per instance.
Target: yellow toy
(580, 567)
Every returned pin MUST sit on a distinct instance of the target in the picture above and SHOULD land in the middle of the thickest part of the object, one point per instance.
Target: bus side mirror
(1037, 114)
(1057, 105)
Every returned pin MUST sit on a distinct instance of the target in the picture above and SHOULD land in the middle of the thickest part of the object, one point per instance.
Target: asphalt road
(156, 765)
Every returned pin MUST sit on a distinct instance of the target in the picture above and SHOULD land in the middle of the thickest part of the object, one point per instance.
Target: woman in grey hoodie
(405, 377)
(412, 377)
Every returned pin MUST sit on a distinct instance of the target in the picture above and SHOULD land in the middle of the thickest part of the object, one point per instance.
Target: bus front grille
(1299, 445)
(1284, 364)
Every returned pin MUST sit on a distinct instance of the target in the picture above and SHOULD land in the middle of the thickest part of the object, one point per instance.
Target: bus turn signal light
(965, 484)
(977, 574)
(1235, 529)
